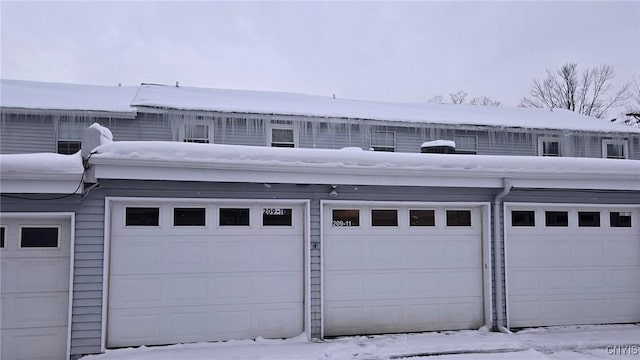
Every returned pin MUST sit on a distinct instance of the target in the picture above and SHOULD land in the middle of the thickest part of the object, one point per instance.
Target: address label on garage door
(274, 211)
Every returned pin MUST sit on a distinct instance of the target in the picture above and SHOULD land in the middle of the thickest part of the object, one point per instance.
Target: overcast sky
(389, 51)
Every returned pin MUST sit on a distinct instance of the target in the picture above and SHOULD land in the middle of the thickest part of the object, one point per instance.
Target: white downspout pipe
(497, 239)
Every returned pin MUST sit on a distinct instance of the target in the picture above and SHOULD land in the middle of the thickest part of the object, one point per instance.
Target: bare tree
(631, 114)
(590, 93)
(462, 97)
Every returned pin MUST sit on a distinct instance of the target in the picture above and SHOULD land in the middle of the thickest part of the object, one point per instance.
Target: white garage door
(204, 272)
(34, 257)
(570, 266)
(401, 269)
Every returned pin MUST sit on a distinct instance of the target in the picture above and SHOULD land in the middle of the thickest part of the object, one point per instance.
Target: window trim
(374, 146)
(466, 151)
(544, 139)
(173, 217)
(3, 237)
(410, 209)
(535, 222)
(47, 248)
(625, 148)
(183, 131)
(277, 126)
(446, 218)
(124, 214)
(233, 207)
(284, 207)
(397, 212)
(333, 226)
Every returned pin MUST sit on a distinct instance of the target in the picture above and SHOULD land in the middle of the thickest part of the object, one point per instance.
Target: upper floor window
(614, 149)
(282, 136)
(70, 136)
(549, 146)
(383, 140)
(466, 144)
(197, 133)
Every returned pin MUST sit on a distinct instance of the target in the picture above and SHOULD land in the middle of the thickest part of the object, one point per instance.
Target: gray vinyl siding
(558, 196)
(145, 127)
(23, 134)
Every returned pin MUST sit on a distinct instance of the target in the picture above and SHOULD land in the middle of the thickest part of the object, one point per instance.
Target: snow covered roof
(262, 102)
(70, 97)
(156, 160)
(125, 100)
(41, 173)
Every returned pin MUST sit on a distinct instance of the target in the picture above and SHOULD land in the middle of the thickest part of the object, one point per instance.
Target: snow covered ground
(555, 343)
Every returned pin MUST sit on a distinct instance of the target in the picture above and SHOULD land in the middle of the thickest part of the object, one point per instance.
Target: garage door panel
(401, 278)
(577, 276)
(34, 290)
(205, 283)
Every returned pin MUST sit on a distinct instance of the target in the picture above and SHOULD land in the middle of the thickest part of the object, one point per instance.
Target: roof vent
(438, 147)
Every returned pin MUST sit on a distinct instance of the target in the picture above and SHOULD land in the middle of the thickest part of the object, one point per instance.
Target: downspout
(497, 260)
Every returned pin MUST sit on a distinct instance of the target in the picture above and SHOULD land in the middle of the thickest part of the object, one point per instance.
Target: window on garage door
(39, 237)
(588, 218)
(234, 216)
(2, 237)
(384, 217)
(556, 218)
(345, 218)
(620, 218)
(277, 217)
(142, 216)
(422, 217)
(523, 218)
(189, 216)
(458, 217)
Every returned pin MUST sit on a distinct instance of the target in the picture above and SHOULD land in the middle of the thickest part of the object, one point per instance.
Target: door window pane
(142, 216)
(276, 217)
(458, 217)
(384, 217)
(523, 218)
(422, 218)
(234, 217)
(39, 237)
(345, 218)
(589, 218)
(189, 216)
(620, 218)
(556, 218)
(1, 237)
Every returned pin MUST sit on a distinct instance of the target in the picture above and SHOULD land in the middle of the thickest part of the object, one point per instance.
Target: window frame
(183, 132)
(379, 211)
(181, 207)
(523, 211)
(39, 248)
(269, 226)
(550, 212)
(548, 139)
(383, 148)
(124, 213)
(433, 217)
(232, 207)
(607, 142)
(333, 221)
(446, 218)
(279, 126)
(467, 151)
(3, 237)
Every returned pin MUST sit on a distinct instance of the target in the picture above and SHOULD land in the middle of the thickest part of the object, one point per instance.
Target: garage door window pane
(523, 218)
(556, 218)
(39, 237)
(276, 217)
(142, 216)
(422, 218)
(458, 218)
(620, 219)
(589, 219)
(234, 217)
(189, 216)
(345, 218)
(1, 238)
(384, 217)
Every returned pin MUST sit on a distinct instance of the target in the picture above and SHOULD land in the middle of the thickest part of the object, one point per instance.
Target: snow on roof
(262, 102)
(58, 96)
(435, 143)
(45, 164)
(42, 173)
(359, 167)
